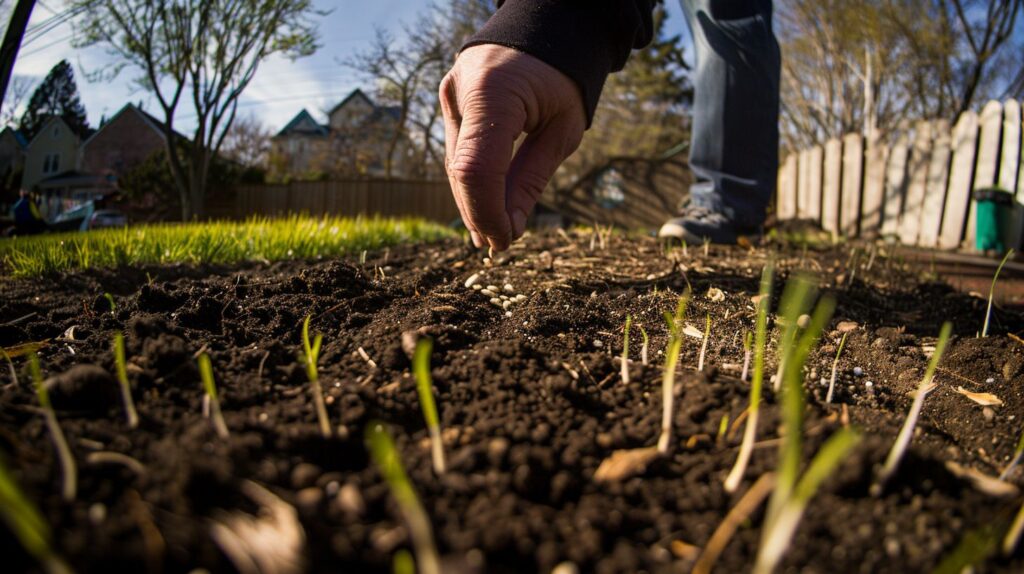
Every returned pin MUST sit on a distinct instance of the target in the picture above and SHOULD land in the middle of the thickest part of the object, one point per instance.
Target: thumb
(535, 164)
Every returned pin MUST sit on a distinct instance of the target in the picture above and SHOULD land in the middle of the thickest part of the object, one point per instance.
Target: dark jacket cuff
(584, 39)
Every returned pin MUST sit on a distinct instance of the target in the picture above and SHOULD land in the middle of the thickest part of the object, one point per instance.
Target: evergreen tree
(56, 96)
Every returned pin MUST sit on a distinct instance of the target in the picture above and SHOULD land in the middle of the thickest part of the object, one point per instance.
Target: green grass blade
(668, 377)
(992, 290)
(732, 481)
(424, 387)
(389, 464)
(122, 379)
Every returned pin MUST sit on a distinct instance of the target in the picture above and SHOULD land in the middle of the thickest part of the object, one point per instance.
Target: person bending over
(538, 66)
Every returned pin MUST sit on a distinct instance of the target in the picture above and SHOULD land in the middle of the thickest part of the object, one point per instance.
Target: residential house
(123, 142)
(52, 151)
(355, 141)
(12, 159)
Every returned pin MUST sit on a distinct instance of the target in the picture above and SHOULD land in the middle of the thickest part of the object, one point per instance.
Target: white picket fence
(913, 185)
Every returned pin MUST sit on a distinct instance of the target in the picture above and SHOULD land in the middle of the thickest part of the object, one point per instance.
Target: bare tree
(247, 142)
(400, 72)
(203, 53)
(17, 94)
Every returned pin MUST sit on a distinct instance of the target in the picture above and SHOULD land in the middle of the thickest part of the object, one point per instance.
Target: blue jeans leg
(734, 151)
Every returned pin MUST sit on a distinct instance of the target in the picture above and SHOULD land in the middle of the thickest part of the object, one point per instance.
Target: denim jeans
(734, 153)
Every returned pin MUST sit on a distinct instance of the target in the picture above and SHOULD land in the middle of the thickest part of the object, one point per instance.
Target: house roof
(378, 111)
(19, 137)
(155, 124)
(46, 127)
(300, 123)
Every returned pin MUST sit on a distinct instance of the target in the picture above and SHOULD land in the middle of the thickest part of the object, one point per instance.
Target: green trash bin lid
(996, 195)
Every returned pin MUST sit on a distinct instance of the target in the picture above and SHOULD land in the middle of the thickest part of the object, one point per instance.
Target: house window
(56, 131)
(51, 163)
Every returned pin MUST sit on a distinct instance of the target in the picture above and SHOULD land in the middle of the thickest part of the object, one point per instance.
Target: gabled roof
(19, 138)
(155, 124)
(46, 127)
(303, 123)
(356, 93)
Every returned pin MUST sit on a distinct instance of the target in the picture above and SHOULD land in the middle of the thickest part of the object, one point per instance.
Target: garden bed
(531, 403)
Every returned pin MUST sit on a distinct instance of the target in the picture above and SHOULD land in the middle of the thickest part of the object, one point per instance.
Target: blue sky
(281, 87)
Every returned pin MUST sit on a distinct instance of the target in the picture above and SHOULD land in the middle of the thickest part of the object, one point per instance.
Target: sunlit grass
(256, 239)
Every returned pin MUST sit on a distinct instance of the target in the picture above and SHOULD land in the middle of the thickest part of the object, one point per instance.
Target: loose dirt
(531, 403)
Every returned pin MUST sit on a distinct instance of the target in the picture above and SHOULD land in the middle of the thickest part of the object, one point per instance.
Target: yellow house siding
(54, 150)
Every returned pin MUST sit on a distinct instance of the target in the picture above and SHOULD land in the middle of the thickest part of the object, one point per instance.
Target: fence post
(935, 187)
(853, 178)
(961, 173)
(785, 196)
(920, 156)
(1009, 168)
(988, 154)
(895, 185)
(874, 185)
(832, 186)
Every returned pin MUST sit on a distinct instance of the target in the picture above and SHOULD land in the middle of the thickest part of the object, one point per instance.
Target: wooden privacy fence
(427, 199)
(914, 185)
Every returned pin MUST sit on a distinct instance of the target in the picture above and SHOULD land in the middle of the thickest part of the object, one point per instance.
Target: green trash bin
(994, 208)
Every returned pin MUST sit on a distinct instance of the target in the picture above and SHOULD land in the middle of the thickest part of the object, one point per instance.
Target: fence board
(910, 220)
(935, 188)
(874, 186)
(895, 184)
(961, 173)
(988, 154)
(831, 188)
(786, 196)
(814, 159)
(802, 181)
(853, 164)
(1019, 206)
(1009, 166)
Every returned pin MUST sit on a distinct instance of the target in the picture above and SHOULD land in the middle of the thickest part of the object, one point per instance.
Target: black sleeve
(584, 39)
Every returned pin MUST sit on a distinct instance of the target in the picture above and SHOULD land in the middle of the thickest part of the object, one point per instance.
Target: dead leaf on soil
(1015, 338)
(756, 299)
(691, 331)
(25, 348)
(271, 541)
(715, 295)
(984, 399)
(625, 463)
(846, 326)
(982, 482)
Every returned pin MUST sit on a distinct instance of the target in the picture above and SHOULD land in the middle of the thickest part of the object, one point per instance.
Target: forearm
(584, 39)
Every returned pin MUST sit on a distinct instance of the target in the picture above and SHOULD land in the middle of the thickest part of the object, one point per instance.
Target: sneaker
(697, 224)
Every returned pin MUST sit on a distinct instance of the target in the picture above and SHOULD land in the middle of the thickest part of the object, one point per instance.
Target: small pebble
(493, 288)
(803, 321)
(506, 304)
(598, 344)
(477, 287)
(990, 380)
(869, 384)
(508, 287)
(489, 293)
(97, 514)
(496, 301)
(504, 297)
(857, 371)
(988, 413)
(520, 298)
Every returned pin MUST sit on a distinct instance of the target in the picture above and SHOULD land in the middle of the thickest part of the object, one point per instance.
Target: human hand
(490, 96)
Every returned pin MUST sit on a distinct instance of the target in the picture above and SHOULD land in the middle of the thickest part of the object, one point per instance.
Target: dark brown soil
(530, 405)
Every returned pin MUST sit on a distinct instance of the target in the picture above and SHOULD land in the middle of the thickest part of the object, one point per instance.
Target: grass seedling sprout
(1013, 533)
(385, 456)
(122, 378)
(748, 338)
(704, 343)
(424, 386)
(903, 439)
(795, 301)
(10, 365)
(992, 290)
(113, 306)
(1017, 455)
(206, 374)
(835, 368)
(625, 350)
(732, 482)
(793, 492)
(643, 349)
(310, 354)
(402, 563)
(668, 377)
(69, 471)
(27, 524)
